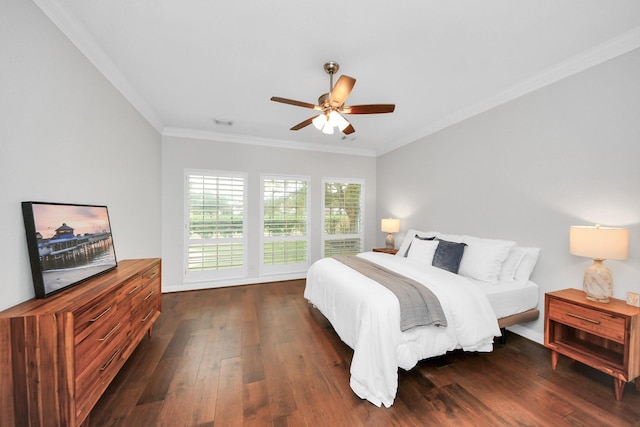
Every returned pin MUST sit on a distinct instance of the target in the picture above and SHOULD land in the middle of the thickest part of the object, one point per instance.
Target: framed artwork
(67, 243)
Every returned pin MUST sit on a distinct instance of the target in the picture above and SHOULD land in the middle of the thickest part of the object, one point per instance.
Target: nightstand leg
(554, 359)
(619, 387)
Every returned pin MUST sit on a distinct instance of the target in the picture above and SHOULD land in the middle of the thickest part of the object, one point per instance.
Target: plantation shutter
(343, 219)
(285, 222)
(216, 222)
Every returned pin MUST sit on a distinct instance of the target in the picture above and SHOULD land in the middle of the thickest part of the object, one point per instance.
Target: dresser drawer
(146, 306)
(94, 316)
(96, 361)
(92, 383)
(131, 289)
(594, 321)
(100, 340)
(151, 274)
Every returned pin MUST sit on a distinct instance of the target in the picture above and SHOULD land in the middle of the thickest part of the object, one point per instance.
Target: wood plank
(252, 366)
(159, 382)
(255, 404)
(229, 405)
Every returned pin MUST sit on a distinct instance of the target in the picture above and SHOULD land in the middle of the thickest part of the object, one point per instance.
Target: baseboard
(198, 286)
(527, 333)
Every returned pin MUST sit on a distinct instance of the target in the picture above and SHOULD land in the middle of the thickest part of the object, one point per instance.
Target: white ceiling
(182, 63)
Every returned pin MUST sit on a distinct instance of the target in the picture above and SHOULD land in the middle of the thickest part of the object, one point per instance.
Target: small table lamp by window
(599, 243)
(390, 226)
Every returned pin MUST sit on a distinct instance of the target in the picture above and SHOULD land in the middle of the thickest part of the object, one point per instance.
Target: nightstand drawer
(596, 322)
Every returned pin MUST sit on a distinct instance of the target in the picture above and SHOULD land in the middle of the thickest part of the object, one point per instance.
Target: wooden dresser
(603, 336)
(59, 354)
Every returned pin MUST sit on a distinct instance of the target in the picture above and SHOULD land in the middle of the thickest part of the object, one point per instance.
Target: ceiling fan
(331, 105)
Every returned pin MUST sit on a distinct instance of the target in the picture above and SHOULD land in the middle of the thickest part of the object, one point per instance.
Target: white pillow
(483, 258)
(519, 264)
(511, 263)
(422, 250)
(526, 266)
(456, 238)
(408, 238)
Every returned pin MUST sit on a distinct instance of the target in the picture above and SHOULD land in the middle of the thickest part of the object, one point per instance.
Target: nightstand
(603, 336)
(385, 250)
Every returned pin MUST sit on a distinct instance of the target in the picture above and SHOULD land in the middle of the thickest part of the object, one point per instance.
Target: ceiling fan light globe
(327, 129)
(319, 121)
(336, 120)
(333, 118)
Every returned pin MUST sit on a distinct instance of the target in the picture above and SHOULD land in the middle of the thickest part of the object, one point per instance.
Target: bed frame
(515, 319)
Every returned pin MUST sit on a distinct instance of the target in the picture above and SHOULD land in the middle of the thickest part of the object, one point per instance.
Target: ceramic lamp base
(390, 243)
(598, 282)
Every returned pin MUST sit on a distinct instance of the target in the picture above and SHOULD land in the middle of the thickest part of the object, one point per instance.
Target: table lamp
(390, 226)
(599, 243)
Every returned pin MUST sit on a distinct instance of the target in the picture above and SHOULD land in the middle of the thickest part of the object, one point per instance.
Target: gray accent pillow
(448, 255)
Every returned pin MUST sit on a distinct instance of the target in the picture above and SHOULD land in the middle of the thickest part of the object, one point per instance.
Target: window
(285, 224)
(342, 220)
(216, 221)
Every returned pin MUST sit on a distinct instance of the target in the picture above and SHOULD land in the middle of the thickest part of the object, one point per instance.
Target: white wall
(179, 154)
(568, 154)
(66, 135)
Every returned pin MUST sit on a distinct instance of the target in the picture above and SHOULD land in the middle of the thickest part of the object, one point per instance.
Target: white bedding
(366, 316)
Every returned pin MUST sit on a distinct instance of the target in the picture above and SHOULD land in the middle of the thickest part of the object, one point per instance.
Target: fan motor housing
(323, 100)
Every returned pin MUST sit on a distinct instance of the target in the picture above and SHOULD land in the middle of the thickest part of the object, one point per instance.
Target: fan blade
(341, 91)
(303, 124)
(296, 103)
(349, 129)
(369, 109)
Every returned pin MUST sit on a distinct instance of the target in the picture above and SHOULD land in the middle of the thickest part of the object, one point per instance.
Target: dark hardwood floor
(254, 356)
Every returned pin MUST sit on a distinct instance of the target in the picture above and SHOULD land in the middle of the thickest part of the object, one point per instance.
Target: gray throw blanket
(418, 305)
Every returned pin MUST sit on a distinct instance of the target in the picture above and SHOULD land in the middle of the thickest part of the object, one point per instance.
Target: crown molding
(79, 36)
(265, 142)
(598, 54)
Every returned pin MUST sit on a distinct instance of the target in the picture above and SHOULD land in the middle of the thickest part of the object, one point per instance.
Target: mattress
(510, 298)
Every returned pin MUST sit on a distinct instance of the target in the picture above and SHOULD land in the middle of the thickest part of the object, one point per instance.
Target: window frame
(215, 274)
(298, 267)
(360, 235)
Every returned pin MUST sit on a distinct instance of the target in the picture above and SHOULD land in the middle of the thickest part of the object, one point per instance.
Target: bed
(489, 290)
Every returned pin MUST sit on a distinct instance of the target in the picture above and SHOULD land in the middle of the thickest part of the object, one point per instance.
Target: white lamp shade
(599, 242)
(390, 225)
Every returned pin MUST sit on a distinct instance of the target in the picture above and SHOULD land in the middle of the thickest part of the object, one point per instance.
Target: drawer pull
(595, 322)
(134, 289)
(100, 315)
(149, 296)
(153, 276)
(147, 316)
(115, 328)
(106, 365)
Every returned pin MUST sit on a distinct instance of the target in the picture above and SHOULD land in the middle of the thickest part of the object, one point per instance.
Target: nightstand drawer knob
(595, 322)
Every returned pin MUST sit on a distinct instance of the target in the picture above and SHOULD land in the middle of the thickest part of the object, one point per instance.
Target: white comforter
(366, 316)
